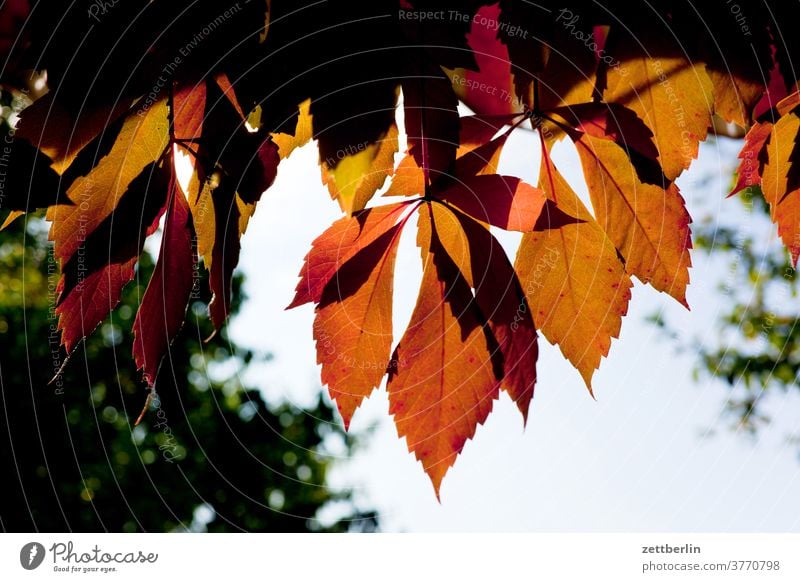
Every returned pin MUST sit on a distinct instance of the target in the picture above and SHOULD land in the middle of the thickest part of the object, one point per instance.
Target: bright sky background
(653, 453)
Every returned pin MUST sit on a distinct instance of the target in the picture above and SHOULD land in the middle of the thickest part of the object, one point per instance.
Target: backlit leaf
(442, 384)
(647, 223)
(576, 286)
(353, 326)
(163, 307)
(93, 198)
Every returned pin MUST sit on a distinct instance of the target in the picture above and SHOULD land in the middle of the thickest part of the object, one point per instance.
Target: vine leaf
(501, 201)
(575, 284)
(353, 324)
(647, 223)
(442, 383)
(93, 278)
(353, 180)
(780, 180)
(340, 243)
(163, 307)
(672, 95)
(141, 141)
(484, 265)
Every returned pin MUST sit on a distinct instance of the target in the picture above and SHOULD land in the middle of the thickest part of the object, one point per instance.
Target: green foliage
(209, 454)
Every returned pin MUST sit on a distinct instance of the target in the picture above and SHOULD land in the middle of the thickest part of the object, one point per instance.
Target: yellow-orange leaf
(779, 180)
(486, 268)
(303, 132)
(408, 179)
(648, 224)
(672, 95)
(576, 286)
(201, 204)
(354, 179)
(441, 380)
(141, 141)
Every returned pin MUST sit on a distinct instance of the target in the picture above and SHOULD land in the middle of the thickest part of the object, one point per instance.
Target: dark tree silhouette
(209, 454)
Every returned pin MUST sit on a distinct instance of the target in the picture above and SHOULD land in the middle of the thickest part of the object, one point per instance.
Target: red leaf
(431, 120)
(611, 121)
(749, 171)
(163, 307)
(225, 255)
(502, 201)
(490, 89)
(188, 110)
(333, 248)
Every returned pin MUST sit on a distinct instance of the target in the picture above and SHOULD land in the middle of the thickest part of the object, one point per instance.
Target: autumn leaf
(750, 167)
(485, 266)
(753, 154)
(163, 307)
(303, 132)
(575, 284)
(189, 106)
(502, 201)
(354, 179)
(647, 223)
(780, 181)
(490, 88)
(408, 179)
(94, 197)
(353, 324)
(673, 96)
(614, 122)
(93, 278)
(340, 243)
(441, 380)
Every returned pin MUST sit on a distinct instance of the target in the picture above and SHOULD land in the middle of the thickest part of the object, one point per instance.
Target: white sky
(650, 454)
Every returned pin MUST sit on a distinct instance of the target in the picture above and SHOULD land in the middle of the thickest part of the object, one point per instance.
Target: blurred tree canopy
(210, 454)
(756, 353)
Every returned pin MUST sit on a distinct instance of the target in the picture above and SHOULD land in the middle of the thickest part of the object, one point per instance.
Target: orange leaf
(648, 224)
(779, 180)
(141, 141)
(353, 326)
(337, 245)
(441, 380)
(749, 171)
(189, 107)
(408, 179)
(303, 132)
(486, 268)
(354, 179)
(576, 285)
(673, 96)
